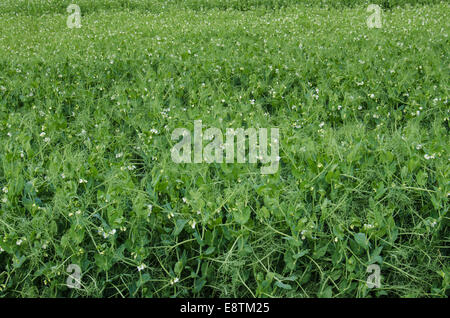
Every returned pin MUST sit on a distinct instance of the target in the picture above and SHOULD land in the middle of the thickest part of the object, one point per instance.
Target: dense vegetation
(86, 176)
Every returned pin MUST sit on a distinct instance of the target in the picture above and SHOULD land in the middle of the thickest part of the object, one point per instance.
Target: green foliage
(86, 175)
(39, 7)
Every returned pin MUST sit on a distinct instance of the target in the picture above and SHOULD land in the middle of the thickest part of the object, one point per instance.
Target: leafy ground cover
(86, 175)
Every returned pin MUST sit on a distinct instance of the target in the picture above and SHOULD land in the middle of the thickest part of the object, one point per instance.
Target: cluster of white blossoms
(105, 235)
(368, 226)
(150, 208)
(302, 233)
(129, 167)
(78, 212)
(316, 95)
(43, 134)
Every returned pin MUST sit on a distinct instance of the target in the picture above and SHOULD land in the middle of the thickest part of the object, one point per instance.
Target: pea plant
(100, 99)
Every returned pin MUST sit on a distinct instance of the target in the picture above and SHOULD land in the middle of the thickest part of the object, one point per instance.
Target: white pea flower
(150, 207)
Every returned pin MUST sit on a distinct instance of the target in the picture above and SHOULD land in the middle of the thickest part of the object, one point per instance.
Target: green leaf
(283, 285)
(362, 240)
(300, 254)
(198, 285)
(178, 267)
(320, 252)
(210, 250)
(179, 225)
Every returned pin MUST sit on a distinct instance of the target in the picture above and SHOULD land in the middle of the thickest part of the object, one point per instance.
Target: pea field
(92, 203)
